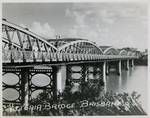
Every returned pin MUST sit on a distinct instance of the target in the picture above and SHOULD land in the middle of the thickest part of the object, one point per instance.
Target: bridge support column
(119, 68)
(61, 78)
(107, 68)
(24, 87)
(127, 65)
(104, 72)
(132, 63)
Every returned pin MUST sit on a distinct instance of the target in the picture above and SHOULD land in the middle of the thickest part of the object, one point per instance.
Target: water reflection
(135, 79)
(120, 82)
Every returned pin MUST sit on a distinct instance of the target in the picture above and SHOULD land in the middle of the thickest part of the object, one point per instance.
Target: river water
(135, 79)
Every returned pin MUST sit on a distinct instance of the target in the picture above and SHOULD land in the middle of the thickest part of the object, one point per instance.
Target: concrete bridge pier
(132, 63)
(104, 76)
(127, 64)
(116, 65)
(104, 72)
(107, 68)
(118, 68)
(61, 78)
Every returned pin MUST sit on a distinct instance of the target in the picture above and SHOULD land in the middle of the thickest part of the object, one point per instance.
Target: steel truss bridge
(25, 56)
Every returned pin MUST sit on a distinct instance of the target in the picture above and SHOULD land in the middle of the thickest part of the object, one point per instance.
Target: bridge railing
(10, 56)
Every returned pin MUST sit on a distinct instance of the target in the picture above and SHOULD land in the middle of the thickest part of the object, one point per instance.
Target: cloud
(87, 22)
(44, 30)
(109, 24)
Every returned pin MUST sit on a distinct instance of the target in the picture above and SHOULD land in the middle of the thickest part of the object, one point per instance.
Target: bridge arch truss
(24, 41)
(111, 51)
(82, 47)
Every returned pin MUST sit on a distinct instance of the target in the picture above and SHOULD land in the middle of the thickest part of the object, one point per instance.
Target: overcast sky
(115, 24)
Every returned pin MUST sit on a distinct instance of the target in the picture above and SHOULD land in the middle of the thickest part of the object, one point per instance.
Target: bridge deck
(38, 57)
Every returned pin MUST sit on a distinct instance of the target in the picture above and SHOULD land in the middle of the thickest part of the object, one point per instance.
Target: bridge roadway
(27, 56)
(31, 57)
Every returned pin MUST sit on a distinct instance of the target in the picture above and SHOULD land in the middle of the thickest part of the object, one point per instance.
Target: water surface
(135, 79)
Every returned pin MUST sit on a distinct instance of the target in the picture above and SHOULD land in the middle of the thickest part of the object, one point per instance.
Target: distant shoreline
(141, 62)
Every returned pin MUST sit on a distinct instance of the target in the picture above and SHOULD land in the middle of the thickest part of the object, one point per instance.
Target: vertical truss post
(19, 37)
(39, 49)
(9, 39)
(29, 41)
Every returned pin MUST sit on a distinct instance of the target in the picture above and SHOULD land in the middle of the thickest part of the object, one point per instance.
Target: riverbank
(142, 61)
